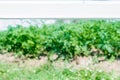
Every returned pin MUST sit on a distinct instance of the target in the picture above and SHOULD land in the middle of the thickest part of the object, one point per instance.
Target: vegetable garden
(84, 38)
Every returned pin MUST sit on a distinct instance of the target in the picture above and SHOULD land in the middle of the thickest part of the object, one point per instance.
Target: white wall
(52, 10)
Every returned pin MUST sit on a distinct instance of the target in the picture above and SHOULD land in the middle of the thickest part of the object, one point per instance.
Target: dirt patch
(81, 62)
(109, 66)
(10, 59)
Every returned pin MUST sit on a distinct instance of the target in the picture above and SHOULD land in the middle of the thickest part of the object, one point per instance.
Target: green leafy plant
(98, 37)
(22, 40)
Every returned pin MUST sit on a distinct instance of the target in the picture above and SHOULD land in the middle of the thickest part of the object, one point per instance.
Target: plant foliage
(66, 40)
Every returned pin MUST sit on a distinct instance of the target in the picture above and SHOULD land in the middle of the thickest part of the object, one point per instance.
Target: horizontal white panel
(59, 9)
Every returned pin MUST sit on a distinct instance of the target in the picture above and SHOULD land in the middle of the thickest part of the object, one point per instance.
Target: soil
(81, 62)
(10, 59)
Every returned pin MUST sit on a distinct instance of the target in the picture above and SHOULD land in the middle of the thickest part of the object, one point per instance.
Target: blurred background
(4, 23)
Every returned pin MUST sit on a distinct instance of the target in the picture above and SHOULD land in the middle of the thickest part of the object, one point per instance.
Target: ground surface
(82, 62)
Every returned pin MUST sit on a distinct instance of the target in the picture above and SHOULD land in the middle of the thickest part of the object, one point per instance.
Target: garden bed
(77, 46)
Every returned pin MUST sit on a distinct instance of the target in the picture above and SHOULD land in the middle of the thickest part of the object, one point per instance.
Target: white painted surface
(56, 9)
(59, 9)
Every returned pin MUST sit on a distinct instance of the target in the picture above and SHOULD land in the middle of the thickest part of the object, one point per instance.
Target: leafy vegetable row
(90, 37)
